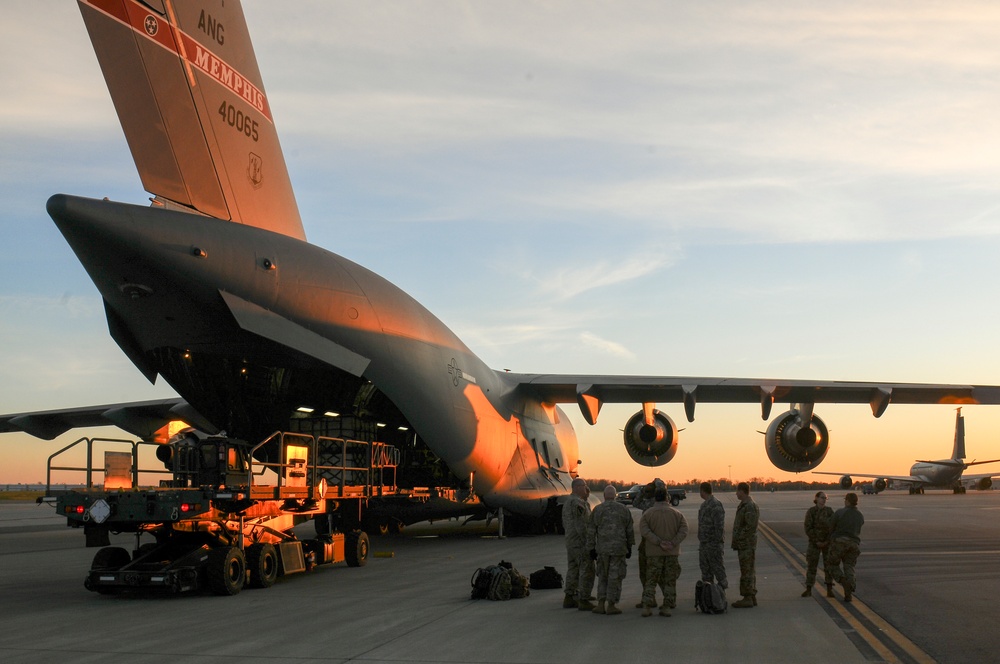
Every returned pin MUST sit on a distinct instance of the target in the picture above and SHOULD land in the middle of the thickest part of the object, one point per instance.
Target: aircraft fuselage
(946, 473)
(207, 303)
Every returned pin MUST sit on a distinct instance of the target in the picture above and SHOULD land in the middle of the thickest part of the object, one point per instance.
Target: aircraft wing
(590, 392)
(140, 418)
(909, 479)
(978, 476)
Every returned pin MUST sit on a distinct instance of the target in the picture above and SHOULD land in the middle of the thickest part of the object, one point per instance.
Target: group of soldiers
(599, 544)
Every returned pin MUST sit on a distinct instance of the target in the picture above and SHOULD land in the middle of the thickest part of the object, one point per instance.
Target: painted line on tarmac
(917, 554)
(884, 639)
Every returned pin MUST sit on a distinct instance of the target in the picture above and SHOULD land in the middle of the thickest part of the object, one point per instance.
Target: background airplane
(199, 321)
(943, 473)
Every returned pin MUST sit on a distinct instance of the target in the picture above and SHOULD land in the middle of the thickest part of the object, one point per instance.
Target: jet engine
(795, 442)
(879, 485)
(846, 482)
(651, 444)
(983, 484)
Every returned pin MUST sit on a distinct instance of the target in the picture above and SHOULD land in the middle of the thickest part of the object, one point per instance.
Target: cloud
(574, 279)
(606, 346)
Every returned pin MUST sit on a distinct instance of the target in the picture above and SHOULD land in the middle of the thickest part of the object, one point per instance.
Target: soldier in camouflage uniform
(579, 567)
(745, 544)
(663, 529)
(817, 525)
(845, 536)
(711, 537)
(644, 501)
(610, 538)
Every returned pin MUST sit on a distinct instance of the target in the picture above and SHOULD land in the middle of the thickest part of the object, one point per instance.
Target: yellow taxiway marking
(797, 561)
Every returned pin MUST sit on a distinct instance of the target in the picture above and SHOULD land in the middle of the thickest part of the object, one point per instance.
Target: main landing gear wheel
(262, 565)
(226, 570)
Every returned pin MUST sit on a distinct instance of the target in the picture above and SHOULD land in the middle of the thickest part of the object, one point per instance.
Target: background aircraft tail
(185, 83)
(958, 451)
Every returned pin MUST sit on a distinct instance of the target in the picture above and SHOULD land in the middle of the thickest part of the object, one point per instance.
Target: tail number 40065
(237, 119)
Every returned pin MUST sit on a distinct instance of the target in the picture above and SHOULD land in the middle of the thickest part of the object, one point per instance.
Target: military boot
(646, 612)
(569, 602)
(665, 610)
(745, 603)
(829, 590)
(807, 592)
(612, 609)
(600, 607)
(585, 605)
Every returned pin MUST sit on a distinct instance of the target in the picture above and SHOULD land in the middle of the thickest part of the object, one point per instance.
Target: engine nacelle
(796, 446)
(880, 485)
(983, 484)
(846, 482)
(651, 445)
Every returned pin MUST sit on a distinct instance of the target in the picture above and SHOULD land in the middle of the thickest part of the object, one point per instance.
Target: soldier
(663, 528)
(579, 566)
(711, 537)
(817, 525)
(845, 543)
(745, 544)
(644, 501)
(610, 537)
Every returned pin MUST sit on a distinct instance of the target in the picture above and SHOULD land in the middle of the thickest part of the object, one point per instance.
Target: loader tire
(262, 565)
(226, 570)
(356, 547)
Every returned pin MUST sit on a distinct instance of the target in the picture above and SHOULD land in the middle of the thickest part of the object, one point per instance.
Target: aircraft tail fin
(185, 83)
(958, 451)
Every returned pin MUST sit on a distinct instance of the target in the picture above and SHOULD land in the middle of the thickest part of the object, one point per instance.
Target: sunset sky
(786, 190)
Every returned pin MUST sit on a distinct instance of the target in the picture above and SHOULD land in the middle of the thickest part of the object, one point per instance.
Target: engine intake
(794, 445)
(651, 444)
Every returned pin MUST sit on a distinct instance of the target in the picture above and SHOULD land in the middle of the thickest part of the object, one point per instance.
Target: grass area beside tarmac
(24, 496)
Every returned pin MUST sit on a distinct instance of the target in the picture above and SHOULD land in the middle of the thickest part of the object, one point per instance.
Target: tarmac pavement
(412, 607)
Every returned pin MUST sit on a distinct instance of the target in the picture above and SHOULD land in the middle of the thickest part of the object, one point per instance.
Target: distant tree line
(722, 484)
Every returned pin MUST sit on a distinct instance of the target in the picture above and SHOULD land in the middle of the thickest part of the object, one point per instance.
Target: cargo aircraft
(215, 289)
(943, 473)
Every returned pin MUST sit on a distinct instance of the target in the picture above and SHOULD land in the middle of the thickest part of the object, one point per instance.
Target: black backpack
(710, 597)
(546, 578)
